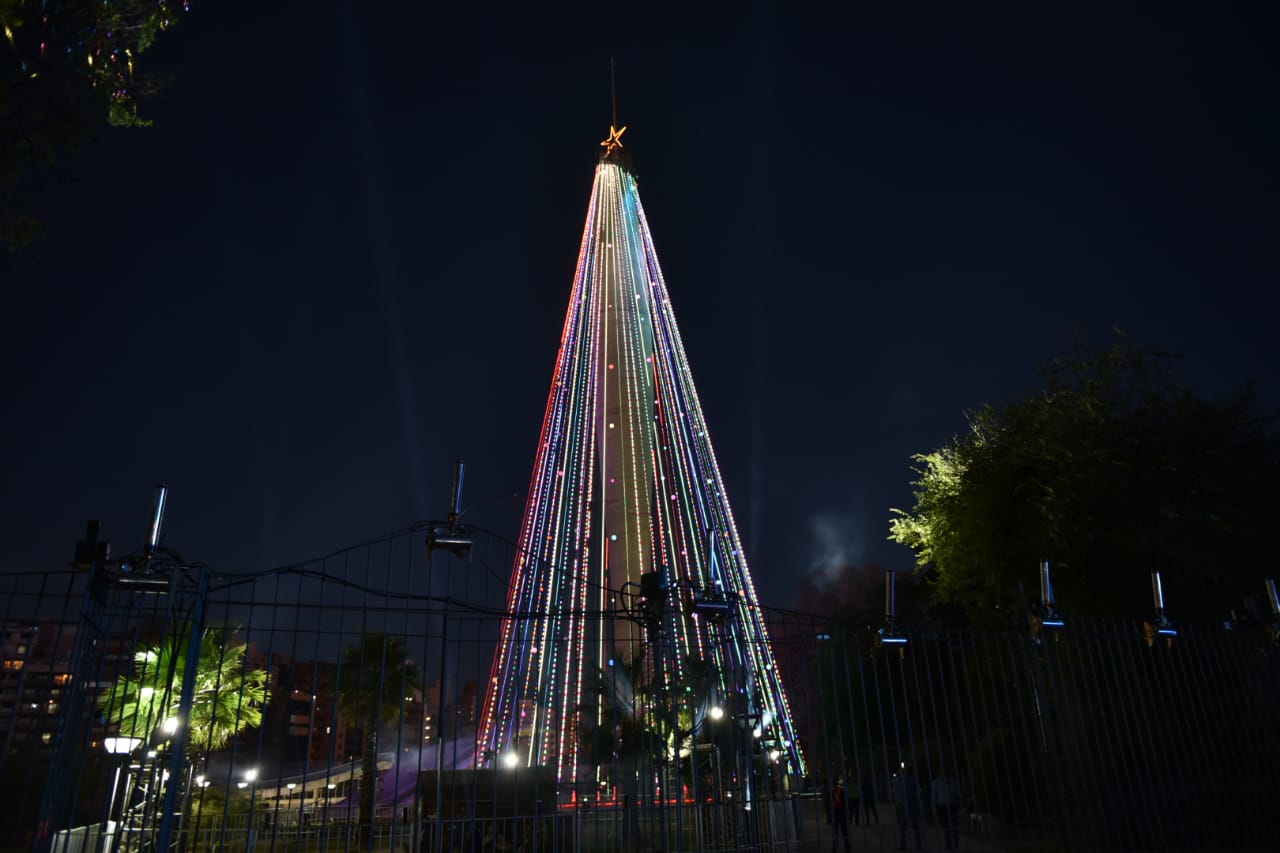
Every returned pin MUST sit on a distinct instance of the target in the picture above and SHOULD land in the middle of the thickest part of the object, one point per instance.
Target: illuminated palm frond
(228, 696)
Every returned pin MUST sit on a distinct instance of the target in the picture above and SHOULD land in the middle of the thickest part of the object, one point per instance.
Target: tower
(630, 596)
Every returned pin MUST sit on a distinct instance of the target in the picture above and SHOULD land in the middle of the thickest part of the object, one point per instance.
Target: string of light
(625, 482)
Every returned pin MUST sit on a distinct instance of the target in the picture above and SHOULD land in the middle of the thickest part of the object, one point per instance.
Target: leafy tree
(212, 804)
(65, 66)
(375, 676)
(229, 696)
(1115, 469)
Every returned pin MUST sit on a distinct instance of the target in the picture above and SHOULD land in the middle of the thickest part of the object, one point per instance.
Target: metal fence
(371, 663)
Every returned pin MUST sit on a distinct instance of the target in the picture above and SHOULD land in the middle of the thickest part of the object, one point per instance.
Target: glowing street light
(118, 746)
(121, 745)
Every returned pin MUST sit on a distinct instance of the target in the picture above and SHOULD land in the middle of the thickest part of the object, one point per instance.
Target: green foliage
(212, 805)
(1113, 470)
(64, 68)
(229, 696)
(376, 674)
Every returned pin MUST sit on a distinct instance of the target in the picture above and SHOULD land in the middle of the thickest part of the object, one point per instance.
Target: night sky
(341, 257)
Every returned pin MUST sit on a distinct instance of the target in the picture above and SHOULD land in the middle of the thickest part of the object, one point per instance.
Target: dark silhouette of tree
(1113, 470)
(65, 67)
(374, 678)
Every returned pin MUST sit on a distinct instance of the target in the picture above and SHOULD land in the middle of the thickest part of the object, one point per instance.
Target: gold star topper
(614, 140)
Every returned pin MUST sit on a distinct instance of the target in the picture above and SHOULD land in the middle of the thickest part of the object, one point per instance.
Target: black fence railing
(334, 706)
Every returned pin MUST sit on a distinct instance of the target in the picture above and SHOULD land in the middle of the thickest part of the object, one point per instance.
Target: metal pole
(111, 806)
(179, 748)
(1046, 586)
(444, 630)
(456, 502)
(157, 518)
(890, 597)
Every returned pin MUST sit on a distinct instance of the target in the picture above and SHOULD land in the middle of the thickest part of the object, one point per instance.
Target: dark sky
(342, 255)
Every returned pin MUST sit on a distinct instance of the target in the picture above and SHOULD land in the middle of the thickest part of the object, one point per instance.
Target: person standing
(907, 800)
(854, 792)
(869, 807)
(838, 815)
(946, 803)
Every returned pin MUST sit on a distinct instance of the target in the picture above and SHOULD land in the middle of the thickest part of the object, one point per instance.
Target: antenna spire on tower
(614, 141)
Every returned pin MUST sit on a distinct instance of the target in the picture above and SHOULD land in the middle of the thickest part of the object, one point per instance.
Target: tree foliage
(1115, 469)
(375, 678)
(229, 696)
(65, 67)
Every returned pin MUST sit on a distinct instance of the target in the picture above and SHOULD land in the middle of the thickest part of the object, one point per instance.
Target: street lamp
(117, 746)
(121, 745)
(716, 713)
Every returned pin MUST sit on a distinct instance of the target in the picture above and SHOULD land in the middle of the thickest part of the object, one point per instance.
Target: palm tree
(228, 696)
(375, 677)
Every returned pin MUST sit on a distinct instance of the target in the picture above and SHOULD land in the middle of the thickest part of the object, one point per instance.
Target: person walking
(838, 815)
(907, 800)
(854, 793)
(869, 807)
(945, 793)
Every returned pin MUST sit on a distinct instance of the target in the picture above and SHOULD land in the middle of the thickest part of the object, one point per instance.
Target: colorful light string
(625, 483)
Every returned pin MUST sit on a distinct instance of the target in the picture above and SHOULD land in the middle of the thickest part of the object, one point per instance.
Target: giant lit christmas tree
(629, 564)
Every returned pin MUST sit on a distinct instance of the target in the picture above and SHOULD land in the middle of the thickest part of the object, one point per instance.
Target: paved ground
(819, 836)
(807, 832)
